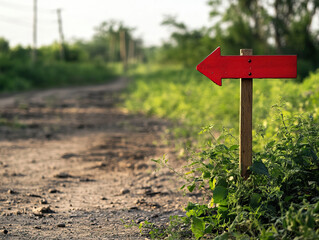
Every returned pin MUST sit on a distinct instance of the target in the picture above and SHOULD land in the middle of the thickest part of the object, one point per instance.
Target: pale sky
(81, 16)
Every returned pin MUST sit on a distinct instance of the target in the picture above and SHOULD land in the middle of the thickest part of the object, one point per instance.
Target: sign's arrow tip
(206, 67)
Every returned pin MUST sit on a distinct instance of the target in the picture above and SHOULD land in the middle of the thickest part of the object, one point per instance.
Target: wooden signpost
(246, 67)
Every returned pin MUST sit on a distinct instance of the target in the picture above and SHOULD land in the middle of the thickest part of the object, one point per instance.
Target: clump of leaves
(279, 200)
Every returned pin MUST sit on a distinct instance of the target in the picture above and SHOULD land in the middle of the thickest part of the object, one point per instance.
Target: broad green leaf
(190, 212)
(259, 168)
(198, 227)
(191, 187)
(222, 182)
(206, 175)
(255, 200)
(209, 228)
(219, 194)
(234, 147)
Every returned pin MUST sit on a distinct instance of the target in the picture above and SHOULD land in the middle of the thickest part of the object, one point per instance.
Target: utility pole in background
(123, 49)
(62, 52)
(34, 49)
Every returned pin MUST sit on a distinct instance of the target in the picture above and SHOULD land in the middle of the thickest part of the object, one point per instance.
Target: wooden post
(245, 132)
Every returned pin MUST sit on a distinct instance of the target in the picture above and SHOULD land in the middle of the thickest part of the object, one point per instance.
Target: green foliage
(279, 200)
(4, 46)
(70, 63)
(267, 27)
(187, 97)
(183, 42)
(18, 75)
(177, 228)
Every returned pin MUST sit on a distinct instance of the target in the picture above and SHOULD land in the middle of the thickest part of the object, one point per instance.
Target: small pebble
(43, 201)
(52, 190)
(133, 208)
(5, 231)
(125, 191)
(61, 225)
(10, 191)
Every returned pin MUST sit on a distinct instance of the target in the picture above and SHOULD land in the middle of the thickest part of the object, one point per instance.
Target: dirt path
(75, 166)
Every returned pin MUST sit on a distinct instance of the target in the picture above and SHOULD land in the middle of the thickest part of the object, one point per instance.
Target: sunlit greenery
(184, 95)
(97, 60)
(280, 198)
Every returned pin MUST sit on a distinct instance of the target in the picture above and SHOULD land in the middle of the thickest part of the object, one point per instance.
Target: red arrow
(216, 67)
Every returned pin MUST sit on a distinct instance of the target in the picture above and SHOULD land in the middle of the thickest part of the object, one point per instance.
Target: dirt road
(75, 166)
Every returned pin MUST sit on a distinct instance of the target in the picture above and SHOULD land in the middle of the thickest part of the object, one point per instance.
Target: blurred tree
(20, 53)
(182, 42)
(113, 41)
(241, 24)
(4, 46)
(282, 26)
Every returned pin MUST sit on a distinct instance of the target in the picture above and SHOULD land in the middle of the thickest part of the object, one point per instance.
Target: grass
(187, 97)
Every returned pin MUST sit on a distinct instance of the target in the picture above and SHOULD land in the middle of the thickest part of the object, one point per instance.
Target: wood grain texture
(245, 132)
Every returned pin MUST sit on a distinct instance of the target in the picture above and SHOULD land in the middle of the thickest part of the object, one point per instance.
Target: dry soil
(73, 165)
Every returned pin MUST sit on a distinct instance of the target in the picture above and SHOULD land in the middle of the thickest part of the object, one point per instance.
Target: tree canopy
(267, 27)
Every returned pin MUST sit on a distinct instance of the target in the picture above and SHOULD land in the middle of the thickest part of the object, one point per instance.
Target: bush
(280, 199)
(18, 75)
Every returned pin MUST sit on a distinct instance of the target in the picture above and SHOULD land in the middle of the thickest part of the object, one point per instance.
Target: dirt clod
(53, 190)
(63, 175)
(42, 210)
(125, 191)
(11, 191)
(61, 225)
(43, 201)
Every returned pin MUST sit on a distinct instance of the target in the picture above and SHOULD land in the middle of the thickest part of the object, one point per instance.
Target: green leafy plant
(279, 200)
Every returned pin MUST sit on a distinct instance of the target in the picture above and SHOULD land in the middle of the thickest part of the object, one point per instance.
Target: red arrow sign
(216, 67)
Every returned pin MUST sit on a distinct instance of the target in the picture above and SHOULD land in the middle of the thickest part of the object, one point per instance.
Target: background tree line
(70, 63)
(268, 27)
(112, 42)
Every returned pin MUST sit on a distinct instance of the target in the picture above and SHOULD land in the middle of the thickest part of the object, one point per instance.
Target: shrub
(279, 200)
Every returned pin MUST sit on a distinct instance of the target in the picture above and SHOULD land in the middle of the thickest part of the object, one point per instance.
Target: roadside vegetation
(75, 63)
(185, 96)
(280, 198)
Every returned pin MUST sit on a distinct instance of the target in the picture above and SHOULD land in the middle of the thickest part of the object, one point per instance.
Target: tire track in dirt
(75, 166)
